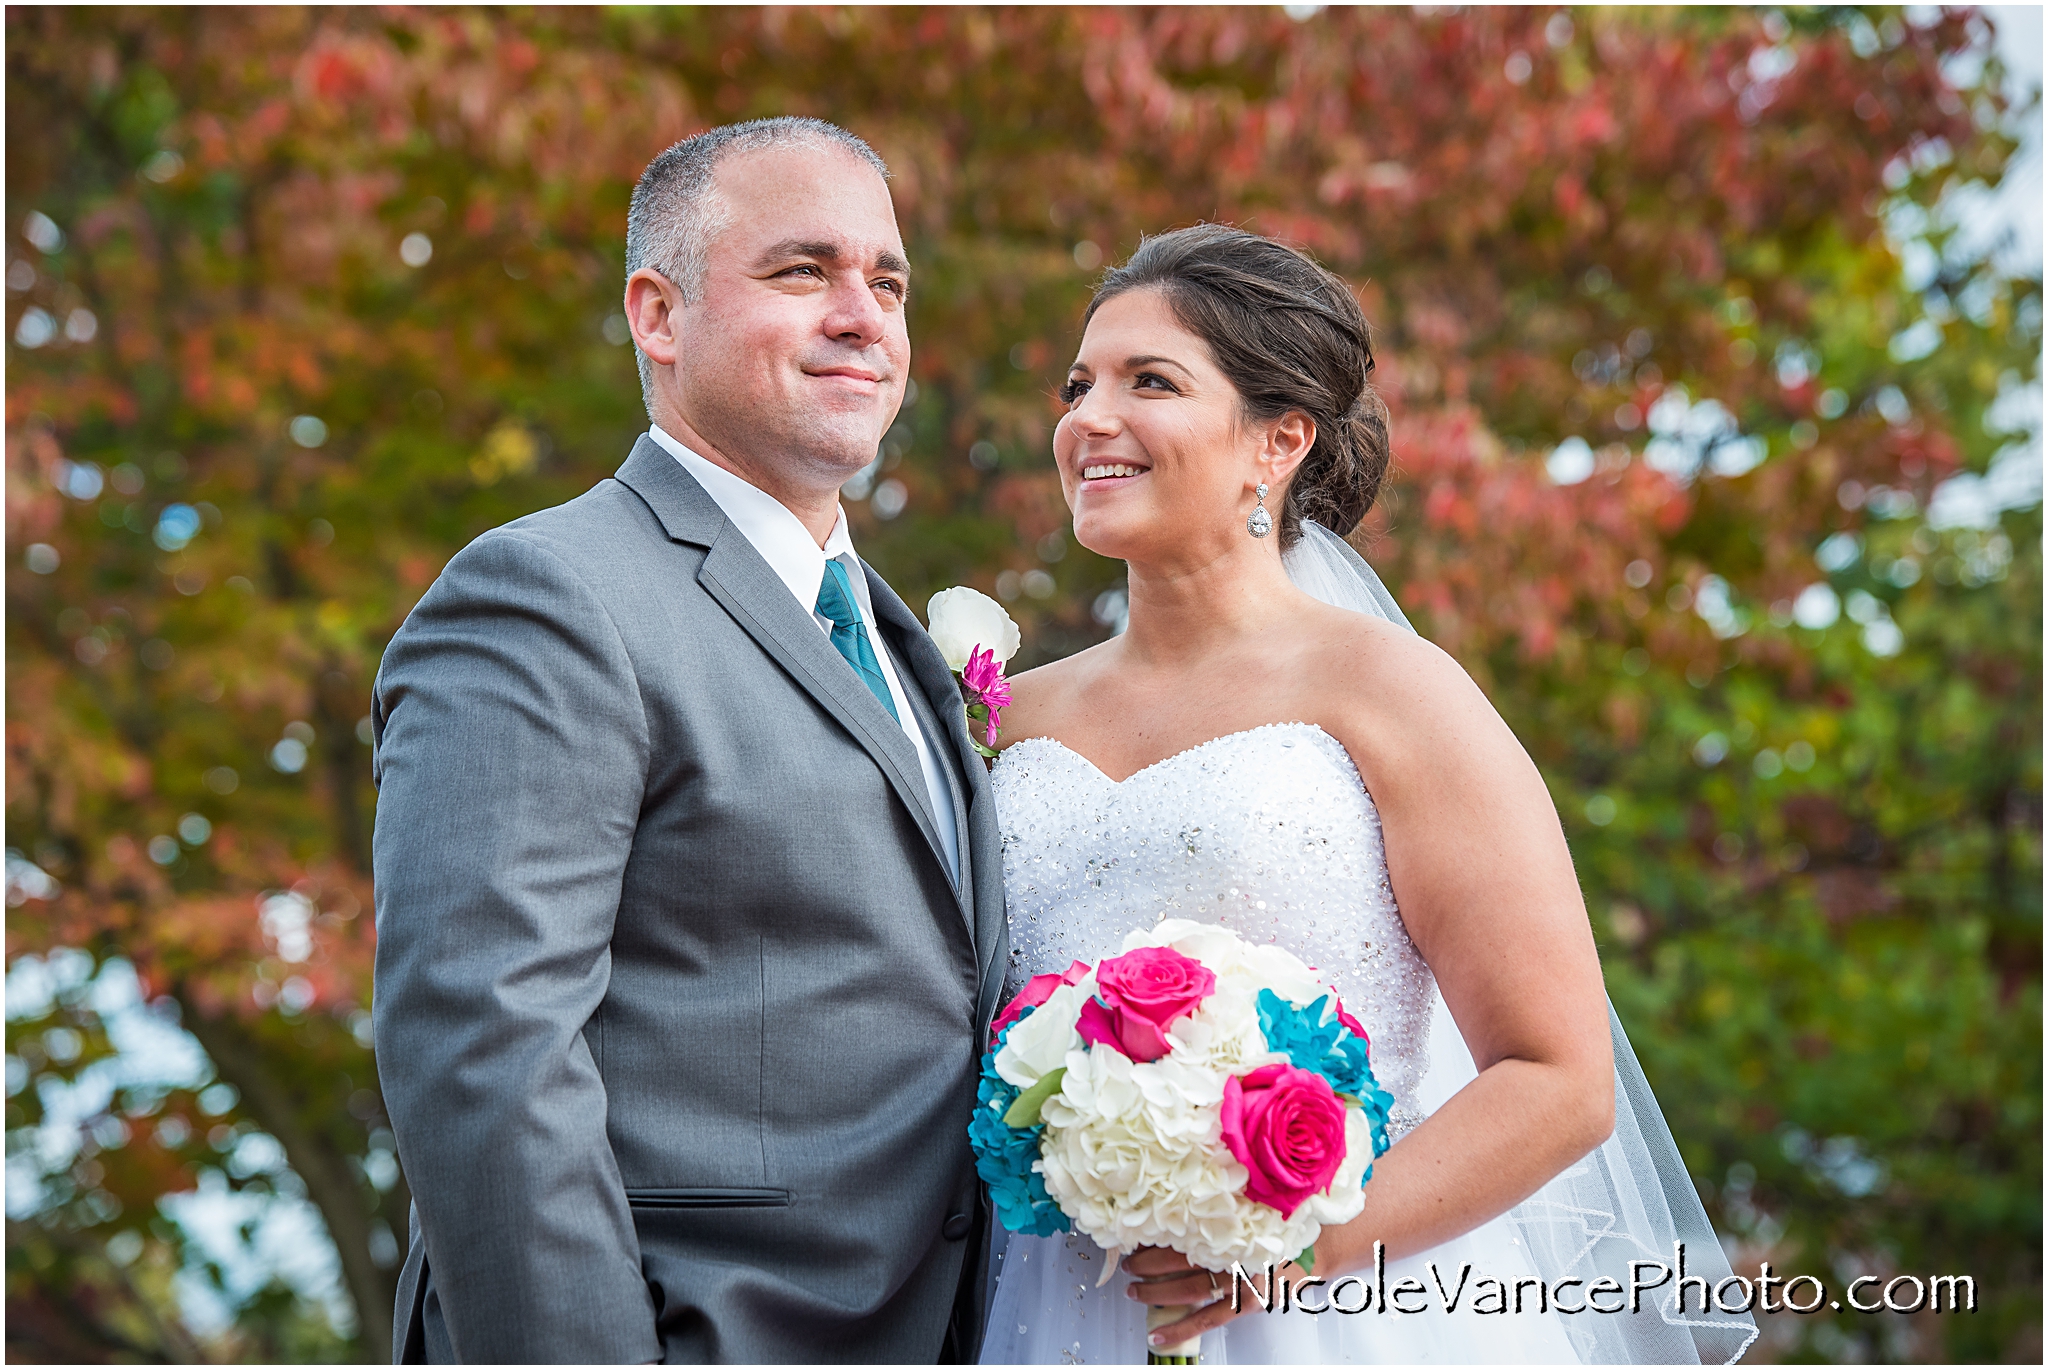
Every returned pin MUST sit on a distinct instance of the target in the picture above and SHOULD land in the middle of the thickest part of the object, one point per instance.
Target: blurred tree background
(1716, 420)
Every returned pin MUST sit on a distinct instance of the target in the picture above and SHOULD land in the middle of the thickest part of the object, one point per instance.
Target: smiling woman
(1287, 336)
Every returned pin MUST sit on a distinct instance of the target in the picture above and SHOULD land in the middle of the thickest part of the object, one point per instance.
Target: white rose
(963, 619)
(1282, 972)
(1039, 1043)
(1237, 964)
(1218, 948)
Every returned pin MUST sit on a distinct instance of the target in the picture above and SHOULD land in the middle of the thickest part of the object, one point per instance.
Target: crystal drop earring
(1261, 522)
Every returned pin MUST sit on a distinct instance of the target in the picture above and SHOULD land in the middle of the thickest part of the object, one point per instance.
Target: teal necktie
(850, 635)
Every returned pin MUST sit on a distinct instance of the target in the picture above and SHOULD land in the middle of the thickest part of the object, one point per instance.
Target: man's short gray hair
(676, 213)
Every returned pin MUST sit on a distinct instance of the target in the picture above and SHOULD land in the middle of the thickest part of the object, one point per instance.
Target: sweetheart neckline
(1176, 756)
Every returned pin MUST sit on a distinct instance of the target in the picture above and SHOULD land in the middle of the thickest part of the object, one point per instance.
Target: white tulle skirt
(1048, 1311)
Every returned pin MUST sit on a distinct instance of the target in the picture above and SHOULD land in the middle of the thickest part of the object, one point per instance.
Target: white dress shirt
(790, 551)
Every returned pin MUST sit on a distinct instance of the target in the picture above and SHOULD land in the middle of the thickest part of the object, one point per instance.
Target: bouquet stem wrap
(1181, 1353)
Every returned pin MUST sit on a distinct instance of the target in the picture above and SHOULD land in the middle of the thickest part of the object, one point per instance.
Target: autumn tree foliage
(1680, 332)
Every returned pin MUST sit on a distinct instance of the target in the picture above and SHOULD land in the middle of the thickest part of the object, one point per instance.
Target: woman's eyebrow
(1133, 363)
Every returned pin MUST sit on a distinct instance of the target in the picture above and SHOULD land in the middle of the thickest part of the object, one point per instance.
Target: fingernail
(1158, 1339)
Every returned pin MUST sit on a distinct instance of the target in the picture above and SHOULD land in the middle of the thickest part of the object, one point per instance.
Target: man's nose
(856, 316)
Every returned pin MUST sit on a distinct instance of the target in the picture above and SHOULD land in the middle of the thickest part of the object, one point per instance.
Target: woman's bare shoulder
(1387, 686)
(1357, 646)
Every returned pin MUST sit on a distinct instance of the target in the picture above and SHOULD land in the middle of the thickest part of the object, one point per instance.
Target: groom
(689, 889)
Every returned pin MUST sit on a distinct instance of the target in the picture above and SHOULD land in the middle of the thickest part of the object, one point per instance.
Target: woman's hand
(1162, 1278)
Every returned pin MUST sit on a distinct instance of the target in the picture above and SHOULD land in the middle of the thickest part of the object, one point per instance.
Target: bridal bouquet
(1196, 1092)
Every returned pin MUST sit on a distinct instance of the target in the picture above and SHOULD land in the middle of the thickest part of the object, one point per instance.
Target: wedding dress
(1271, 833)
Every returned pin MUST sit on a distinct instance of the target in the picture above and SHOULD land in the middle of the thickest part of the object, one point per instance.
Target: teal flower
(1320, 1038)
(1004, 1155)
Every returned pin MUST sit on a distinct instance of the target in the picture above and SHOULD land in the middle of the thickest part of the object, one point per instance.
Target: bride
(1270, 748)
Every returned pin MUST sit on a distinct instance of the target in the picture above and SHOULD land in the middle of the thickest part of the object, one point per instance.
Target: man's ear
(653, 307)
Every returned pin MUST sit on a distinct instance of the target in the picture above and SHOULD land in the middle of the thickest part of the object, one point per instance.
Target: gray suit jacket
(677, 1007)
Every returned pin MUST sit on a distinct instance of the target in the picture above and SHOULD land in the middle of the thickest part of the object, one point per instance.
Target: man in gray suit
(689, 889)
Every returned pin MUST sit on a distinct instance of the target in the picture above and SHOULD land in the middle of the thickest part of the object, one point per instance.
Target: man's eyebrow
(798, 247)
(827, 252)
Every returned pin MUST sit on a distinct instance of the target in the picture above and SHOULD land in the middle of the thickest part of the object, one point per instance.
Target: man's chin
(847, 453)
(814, 450)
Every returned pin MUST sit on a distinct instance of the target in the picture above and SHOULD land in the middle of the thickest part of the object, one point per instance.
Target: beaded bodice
(1268, 832)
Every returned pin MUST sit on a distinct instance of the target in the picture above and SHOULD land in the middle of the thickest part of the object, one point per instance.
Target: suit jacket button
(956, 1227)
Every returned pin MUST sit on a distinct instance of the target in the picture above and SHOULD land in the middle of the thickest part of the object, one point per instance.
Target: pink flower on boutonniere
(976, 637)
(983, 683)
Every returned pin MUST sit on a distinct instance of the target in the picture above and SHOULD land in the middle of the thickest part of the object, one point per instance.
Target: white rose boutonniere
(976, 636)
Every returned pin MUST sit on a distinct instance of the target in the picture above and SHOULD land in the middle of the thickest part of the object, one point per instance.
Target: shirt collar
(777, 534)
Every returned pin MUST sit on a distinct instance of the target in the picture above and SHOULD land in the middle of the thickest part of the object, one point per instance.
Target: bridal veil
(1631, 1199)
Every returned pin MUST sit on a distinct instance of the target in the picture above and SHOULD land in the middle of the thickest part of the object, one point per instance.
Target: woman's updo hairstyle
(1290, 336)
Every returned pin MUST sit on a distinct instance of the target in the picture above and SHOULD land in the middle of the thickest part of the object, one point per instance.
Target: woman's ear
(1288, 442)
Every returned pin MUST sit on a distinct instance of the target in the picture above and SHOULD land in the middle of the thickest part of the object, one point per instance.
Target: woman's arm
(1485, 886)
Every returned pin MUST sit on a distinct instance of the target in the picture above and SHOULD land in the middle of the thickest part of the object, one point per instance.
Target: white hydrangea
(1134, 1155)
(1224, 1036)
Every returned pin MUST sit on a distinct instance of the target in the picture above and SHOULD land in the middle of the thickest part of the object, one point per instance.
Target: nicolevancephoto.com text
(1485, 1294)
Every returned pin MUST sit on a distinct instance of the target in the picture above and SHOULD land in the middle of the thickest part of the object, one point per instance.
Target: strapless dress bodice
(1268, 832)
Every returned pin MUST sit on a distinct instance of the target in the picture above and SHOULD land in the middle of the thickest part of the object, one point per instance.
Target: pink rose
(1036, 991)
(1286, 1127)
(1138, 997)
(1356, 1028)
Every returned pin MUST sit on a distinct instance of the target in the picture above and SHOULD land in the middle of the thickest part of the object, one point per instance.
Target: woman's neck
(1187, 609)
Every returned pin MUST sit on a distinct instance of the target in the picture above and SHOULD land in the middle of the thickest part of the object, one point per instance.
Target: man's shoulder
(604, 526)
(603, 548)
(592, 522)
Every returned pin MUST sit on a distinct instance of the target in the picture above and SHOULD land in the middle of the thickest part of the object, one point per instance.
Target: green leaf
(1024, 1113)
(1307, 1259)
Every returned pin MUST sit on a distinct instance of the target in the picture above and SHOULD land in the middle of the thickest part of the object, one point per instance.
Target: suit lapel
(979, 833)
(743, 583)
(935, 696)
